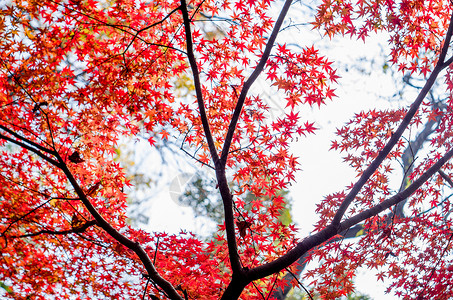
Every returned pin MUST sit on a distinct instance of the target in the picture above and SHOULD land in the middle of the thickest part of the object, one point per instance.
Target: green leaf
(6, 288)
(360, 232)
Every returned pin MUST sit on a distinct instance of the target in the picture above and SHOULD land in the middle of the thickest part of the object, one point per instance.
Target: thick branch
(220, 168)
(220, 165)
(197, 83)
(30, 148)
(235, 288)
(227, 199)
(330, 231)
(397, 134)
(134, 246)
(79, 229)
(259, 68)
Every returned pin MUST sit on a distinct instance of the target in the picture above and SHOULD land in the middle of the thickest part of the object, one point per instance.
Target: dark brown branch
(238, 272)
(398, 197)
(36, 145)
(337, 227)
(79, 229)
(446, 178)
(219, 167)
(227, 199)
(259, 68)
(397, 134)
(448, 62)
(330, 231)
(31, 149)
(132, 245)
(49, 125)
(407, 164)
(281, 292)
(197, 83)
(443, 52)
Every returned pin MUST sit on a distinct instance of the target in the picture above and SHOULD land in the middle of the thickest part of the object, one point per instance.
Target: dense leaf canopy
(76, 76)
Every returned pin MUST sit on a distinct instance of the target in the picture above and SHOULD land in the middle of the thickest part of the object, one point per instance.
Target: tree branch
(443, 52)
(259, 68)
(197, 83)
(23, 216)
(224, 189)
(138, 31)
(36, 145)
(281, 292)
(407, 163)
(227, 198)
(79, 229)
(30, 148)
(396, 135)
(398, 197)
(446, 178)
(123, 28)
(330, 231)
(132, 245)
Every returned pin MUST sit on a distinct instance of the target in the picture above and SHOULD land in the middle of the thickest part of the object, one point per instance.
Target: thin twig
(273, 285)
(155, 252)
(249, 82)
(446, 178)
(24, 216)
(299, 283)
(80, 229)
(435, 267)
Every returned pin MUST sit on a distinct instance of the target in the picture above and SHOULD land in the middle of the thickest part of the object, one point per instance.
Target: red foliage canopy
(77, 75)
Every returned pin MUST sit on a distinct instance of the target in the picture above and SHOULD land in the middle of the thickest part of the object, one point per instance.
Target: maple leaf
(93, 188)
(243, 226)
(75, 157)
(77, 72)
(151, 141)
(76, 221)
(164, 134)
